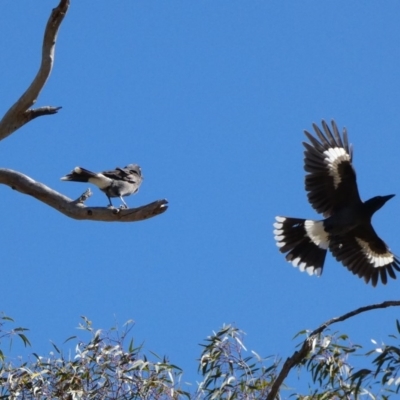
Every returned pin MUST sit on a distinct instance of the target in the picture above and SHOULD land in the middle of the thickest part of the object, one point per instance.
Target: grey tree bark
(21, 113)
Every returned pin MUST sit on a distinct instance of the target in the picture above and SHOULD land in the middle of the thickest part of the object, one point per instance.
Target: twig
(299, 356)
(20, 113)
(83, 197)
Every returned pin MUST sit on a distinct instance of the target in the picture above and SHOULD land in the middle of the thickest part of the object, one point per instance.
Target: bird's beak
(388, 197)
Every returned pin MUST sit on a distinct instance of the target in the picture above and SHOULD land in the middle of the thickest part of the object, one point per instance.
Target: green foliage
(9, 335)
(103, 368)
(100, 369)
(329, 367)
(334, 377)
(228, 374)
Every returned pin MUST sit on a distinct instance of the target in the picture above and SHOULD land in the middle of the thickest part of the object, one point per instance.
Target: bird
(119, 182)
(346, 230)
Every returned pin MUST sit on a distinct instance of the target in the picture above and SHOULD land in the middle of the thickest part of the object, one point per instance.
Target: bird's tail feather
(80, 174)
(304, 241)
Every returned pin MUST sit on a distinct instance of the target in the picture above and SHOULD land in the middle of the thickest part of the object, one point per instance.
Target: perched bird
(346, 230)
(115, 183)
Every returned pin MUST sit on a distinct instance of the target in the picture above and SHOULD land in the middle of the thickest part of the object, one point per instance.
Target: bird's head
(134, 169)
(378, 202)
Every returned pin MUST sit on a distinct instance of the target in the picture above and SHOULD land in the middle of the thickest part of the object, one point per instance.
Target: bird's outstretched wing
(330, 180)
(365, 254)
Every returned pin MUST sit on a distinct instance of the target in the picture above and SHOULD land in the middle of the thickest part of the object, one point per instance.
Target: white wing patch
(316, 232)
(377, 260)
(333, 157)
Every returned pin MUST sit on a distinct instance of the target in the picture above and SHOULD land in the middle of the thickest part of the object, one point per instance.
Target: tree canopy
(110, 365)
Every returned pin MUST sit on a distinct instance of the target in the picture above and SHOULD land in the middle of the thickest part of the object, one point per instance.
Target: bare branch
(350, 314)
(299, 356)
(84, 196)
(20, 113)
(75, 208)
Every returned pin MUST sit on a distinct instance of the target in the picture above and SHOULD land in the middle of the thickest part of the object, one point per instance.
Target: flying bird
(115, 183)
(346, 231)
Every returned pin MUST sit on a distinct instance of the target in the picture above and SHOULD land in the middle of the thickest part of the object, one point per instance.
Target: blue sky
(211, 99)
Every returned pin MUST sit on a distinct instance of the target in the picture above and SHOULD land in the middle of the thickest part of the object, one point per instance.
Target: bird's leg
(109, 199)
(125, 205)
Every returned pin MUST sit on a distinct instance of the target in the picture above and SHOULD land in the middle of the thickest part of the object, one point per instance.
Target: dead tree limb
(75, 208)
(21, 113)
(299, 356)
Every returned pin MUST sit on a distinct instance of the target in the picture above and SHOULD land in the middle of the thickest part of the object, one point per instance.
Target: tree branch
(20, 113)
(75, 208)
(299, 356)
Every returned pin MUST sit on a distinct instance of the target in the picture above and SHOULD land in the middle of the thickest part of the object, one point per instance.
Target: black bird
(115, 183)
(346, 230)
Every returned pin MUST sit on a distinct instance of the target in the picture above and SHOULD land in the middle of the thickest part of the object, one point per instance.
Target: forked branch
(21, 113)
